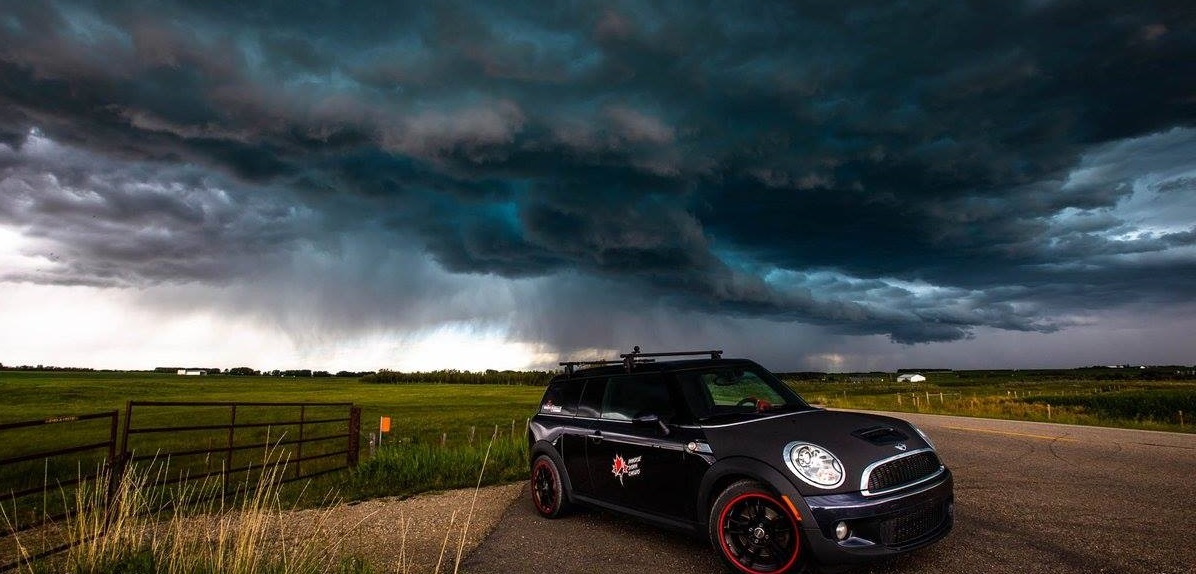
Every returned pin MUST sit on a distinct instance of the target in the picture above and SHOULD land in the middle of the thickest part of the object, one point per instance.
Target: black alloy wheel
(547, 490)
(753, 530)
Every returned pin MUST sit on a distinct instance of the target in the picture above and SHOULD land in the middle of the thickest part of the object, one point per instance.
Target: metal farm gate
(229, 446)
(203, 440)
(39, 483)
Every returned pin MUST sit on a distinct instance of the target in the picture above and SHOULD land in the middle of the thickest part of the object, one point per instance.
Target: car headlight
(815, 465)
(924, 436)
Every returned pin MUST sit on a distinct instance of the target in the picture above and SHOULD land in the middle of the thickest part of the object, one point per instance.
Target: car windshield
(736, 390)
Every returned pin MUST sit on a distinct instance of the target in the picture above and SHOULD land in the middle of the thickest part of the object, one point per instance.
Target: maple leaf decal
(619, 468)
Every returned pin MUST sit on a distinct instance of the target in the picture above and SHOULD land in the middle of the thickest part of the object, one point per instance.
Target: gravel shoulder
(421, 534)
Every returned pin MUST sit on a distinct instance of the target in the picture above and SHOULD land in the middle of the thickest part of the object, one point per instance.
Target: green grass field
(418, 412)
(1151, 405)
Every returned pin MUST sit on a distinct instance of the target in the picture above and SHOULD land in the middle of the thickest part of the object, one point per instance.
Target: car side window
(630, 396)
(591, 399)
(561, 398)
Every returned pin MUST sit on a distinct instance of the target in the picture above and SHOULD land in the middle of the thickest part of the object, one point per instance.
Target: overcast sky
(408, 185)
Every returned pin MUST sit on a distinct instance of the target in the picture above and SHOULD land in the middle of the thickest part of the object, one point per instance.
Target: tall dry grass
(136, 526)
(131, 524)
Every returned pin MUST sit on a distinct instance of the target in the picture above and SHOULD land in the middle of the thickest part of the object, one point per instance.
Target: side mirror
(651, 420)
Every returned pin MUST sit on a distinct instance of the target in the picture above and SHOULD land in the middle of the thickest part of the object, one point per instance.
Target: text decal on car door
(629, 467)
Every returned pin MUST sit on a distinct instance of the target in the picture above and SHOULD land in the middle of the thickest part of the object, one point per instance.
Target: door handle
(596, 437)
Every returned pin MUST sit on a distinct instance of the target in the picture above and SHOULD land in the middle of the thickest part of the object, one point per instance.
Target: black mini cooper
(722, 447)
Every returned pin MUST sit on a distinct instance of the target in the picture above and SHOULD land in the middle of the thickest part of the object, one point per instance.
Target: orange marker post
(383, 427)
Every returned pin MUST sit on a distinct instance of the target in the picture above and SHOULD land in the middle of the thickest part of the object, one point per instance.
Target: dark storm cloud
(917, 169)
(99, 222)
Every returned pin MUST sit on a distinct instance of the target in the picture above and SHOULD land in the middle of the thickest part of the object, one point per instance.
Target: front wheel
(754, 532)
(548, 492)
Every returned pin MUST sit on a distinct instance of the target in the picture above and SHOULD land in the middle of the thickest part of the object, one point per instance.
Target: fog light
(841, 531)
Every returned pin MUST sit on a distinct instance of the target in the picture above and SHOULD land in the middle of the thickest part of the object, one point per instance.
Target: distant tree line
(456, 377)
(1096, 373)
(4, 367)
(246, 371)
(802, 376)
(251, 372)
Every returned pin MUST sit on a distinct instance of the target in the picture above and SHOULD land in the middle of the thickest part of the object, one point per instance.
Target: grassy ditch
(410, 468)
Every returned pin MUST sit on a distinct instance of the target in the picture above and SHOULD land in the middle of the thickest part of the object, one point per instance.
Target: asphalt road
(1030, 497)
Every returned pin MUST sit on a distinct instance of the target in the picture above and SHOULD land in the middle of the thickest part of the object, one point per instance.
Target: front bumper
(880, 526)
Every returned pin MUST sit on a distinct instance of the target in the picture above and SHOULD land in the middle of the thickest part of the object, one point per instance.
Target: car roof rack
(570, 366)
(636, 356)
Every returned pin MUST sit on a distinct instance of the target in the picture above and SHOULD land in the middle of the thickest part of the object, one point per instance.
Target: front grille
(913, 525)
(903, 470)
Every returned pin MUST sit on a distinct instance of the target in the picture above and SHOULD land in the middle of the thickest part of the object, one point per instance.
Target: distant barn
(192, 372)
(911, 378)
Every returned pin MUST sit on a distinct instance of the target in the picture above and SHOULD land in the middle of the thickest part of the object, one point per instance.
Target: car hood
(857, 439)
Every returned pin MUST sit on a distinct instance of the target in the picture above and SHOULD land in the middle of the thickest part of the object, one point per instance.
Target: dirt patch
(421, 534)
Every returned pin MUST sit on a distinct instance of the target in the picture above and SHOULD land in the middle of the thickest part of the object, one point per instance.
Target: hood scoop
(881, 435)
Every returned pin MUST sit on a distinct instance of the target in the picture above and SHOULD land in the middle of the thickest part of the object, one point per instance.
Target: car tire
(754, 532)
(547, 488)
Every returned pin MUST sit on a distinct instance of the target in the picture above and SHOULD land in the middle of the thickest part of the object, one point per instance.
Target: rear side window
(630, 396)
(561, 398)
(591, 399)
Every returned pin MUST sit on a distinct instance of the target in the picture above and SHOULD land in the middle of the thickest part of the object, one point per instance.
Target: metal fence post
(354, 435)
(112, 438)
(116, 466)
(299, 445)
(121, 461)
(228, 458)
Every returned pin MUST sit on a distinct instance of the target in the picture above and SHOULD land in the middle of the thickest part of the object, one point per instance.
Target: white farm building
(910, 378)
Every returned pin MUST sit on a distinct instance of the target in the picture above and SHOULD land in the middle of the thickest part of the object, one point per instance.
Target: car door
(639, 465)
(577, 437)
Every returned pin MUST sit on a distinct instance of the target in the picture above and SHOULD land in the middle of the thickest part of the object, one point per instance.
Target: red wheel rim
(758, 535)
(544, 493)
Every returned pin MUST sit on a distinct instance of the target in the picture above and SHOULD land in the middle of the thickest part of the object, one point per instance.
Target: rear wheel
(754, 531)
(548, 492)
